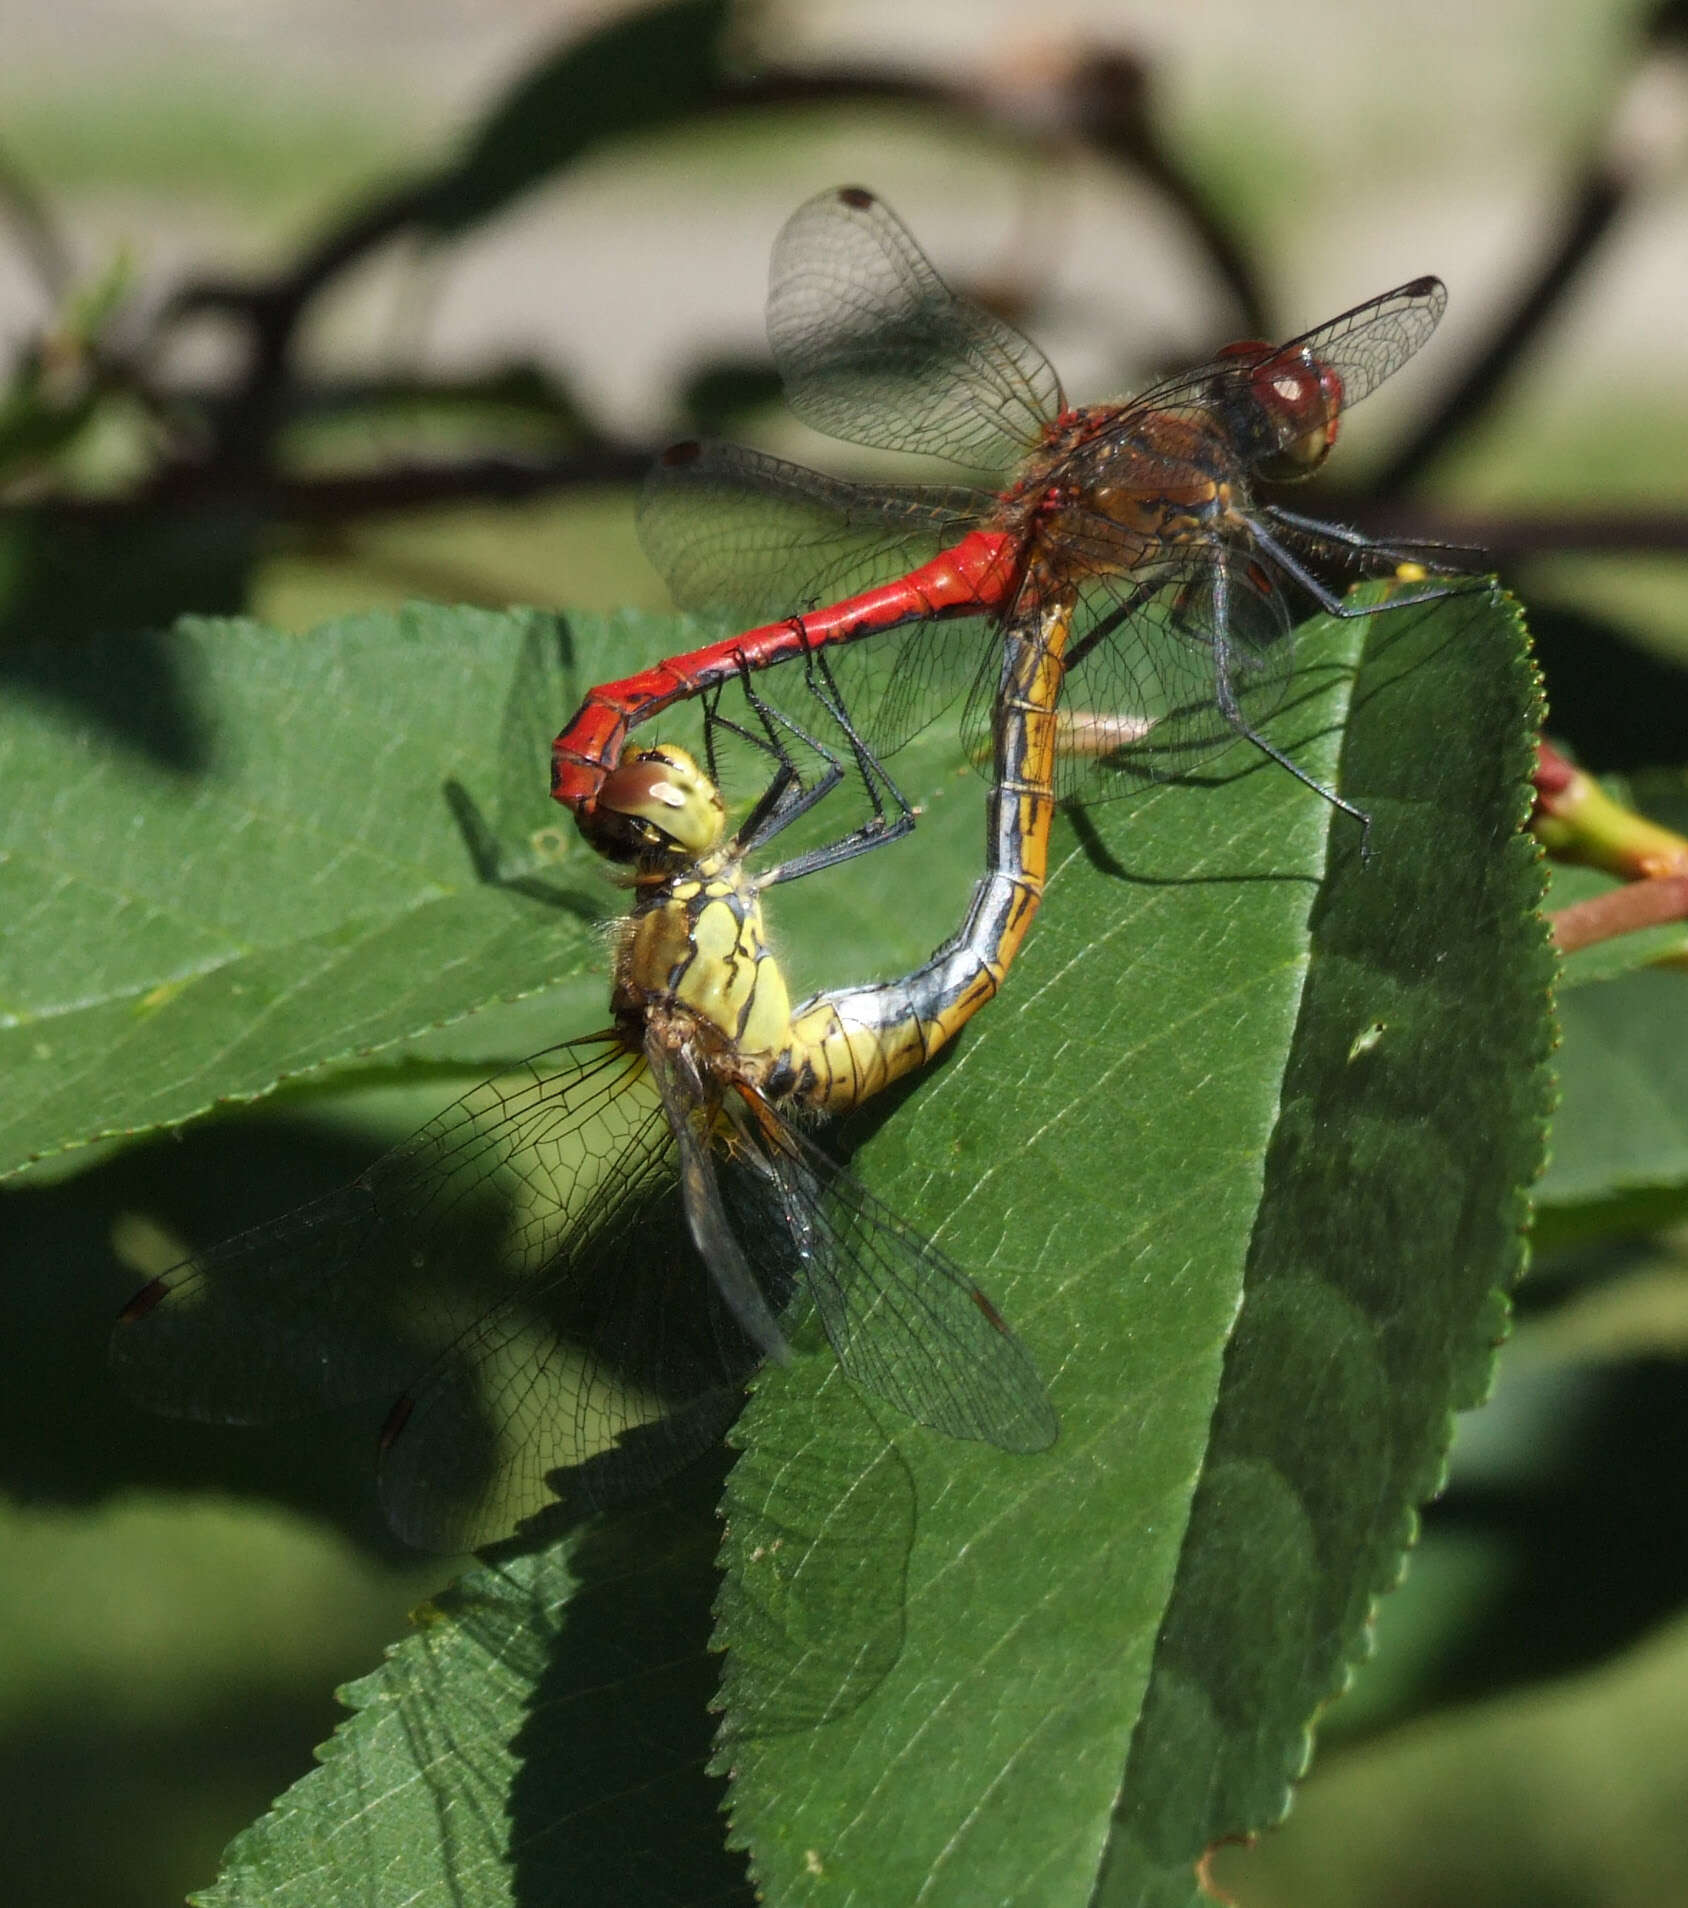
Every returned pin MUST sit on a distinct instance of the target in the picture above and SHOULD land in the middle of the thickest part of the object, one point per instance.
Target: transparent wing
(758, 539)
(905, 1322)
(594, 1390)
(1156, 663)
(875, 348)
(752, 538)
(706, 1215)
(1364, 345)
(517, 1274)
(1372, 341)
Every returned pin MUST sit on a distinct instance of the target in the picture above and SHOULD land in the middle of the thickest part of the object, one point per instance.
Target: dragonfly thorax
(1112, 489)
(697, 948)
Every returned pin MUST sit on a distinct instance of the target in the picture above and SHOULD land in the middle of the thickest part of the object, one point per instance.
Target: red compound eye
(1302, 398)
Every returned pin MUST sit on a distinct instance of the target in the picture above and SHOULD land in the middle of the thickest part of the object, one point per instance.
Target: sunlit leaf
(183, 935)
(356, 844)
(1242, 1155)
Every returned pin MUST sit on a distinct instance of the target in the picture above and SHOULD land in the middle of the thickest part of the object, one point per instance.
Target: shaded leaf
(65, 577)
(1239, 1154)
(362, 848)
(542, 1739)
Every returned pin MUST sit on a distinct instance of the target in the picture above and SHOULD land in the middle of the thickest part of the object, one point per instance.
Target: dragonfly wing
(1372, 341)
(1155, 662)
(706, 1215)
(1362, 346)
(905, 1322)
(754, 538)
(623, 1371)
(906, 684)
(737, 532)
(512, 1273)
(875, 348)
(329, 1303)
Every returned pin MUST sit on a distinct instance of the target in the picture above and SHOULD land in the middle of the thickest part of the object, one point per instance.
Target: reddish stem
(1640, 904)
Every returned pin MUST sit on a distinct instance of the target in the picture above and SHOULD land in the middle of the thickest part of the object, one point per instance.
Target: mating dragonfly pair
(532, 1253)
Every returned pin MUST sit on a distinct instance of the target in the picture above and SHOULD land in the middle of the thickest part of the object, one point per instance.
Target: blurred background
(309, 308)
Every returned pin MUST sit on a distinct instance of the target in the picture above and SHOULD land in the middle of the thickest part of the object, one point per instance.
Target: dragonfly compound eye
(664, 799)
(1302, 401)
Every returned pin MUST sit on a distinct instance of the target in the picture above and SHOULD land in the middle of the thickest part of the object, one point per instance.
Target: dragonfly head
(1294, 405)
(658, 802)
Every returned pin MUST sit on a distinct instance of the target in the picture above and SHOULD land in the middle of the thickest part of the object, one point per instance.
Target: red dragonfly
(1140, 516)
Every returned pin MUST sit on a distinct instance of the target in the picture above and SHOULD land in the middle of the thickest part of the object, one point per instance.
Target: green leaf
(1661, 795)
(355, 844)
(180, 938)
(1620, 1139)
(1624, 953)
(636, 75)
(1623, 1124)
(1242, 1155)
(543, 1739)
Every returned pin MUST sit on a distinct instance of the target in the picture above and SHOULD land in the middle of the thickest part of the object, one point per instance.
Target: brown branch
(197, 485)
(274, 308)
(340, 498)
(1638, 904)
(1599, 200)
(1509, 537)
(1113, 97)
(1103, 102)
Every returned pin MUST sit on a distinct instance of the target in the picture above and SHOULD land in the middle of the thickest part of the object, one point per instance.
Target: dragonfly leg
(789, 796)
(1121, 613)
(893, 815)
(1226, 696)
(1358, 540)
(768, 742)
(1327, 599)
